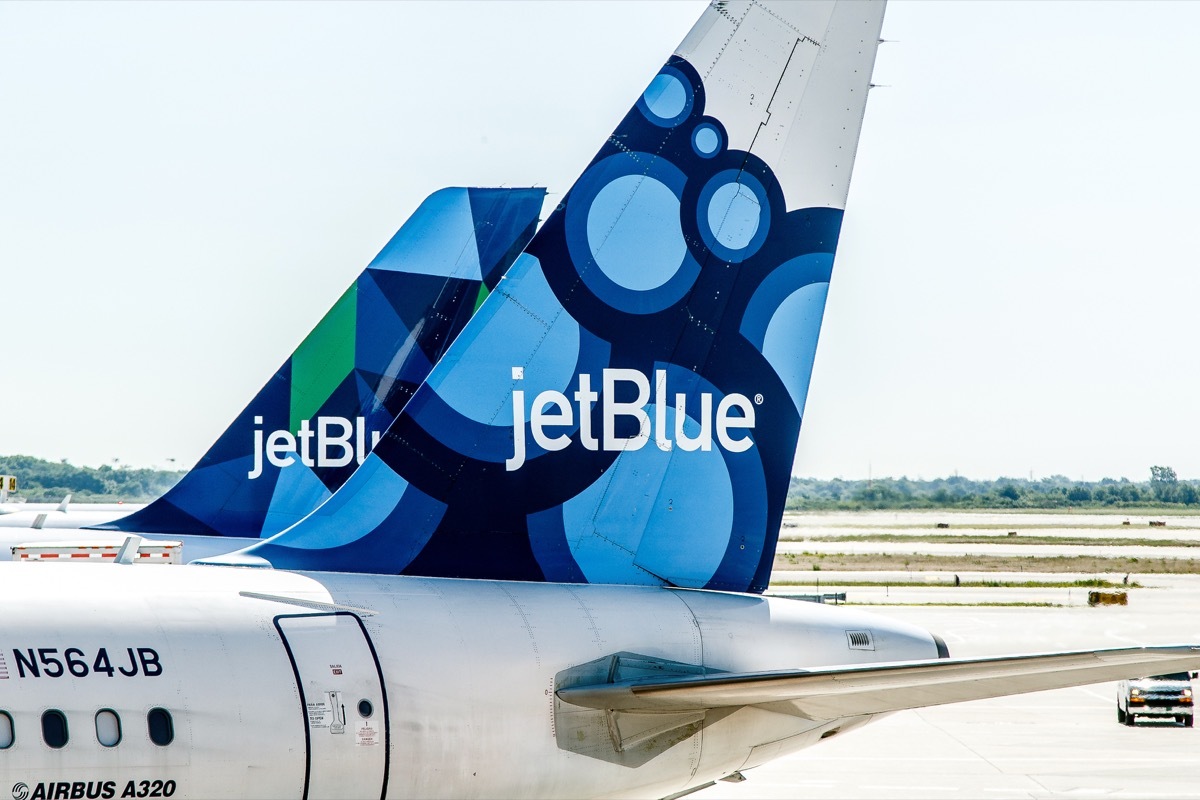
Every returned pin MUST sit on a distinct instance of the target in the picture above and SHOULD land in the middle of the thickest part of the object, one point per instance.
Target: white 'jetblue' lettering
(553, 409)
(322, 442)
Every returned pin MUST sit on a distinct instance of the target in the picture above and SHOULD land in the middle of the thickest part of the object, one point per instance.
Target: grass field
(814, 582)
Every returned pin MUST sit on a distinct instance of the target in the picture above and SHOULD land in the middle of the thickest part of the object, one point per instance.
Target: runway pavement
(882, 545)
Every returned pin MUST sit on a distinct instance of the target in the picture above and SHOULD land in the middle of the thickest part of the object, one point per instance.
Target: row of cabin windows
(55, 733)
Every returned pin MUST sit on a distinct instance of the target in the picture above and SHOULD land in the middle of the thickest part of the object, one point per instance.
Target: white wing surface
(835, 692)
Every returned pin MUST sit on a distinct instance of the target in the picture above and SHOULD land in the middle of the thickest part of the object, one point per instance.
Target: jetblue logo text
(552, 409)
(333, 442)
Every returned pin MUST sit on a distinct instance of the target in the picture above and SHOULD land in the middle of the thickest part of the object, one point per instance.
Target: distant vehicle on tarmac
(1157, 696)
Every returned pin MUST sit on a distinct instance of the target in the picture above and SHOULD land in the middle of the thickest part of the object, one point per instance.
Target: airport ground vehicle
(1156, 696)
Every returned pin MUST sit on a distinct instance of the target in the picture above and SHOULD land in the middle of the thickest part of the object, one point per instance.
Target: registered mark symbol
(20, 791)
(758, 398)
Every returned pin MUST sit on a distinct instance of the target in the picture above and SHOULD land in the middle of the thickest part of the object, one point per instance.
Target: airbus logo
(553, 409)
(333, 442)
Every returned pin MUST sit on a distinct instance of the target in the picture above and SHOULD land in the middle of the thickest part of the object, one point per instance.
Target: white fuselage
(374, 686)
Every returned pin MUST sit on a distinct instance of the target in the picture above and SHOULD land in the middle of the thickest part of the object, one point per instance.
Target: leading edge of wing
(846, 691)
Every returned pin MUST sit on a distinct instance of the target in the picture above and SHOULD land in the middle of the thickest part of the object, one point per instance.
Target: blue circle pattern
(645, 309)
(634, 233)
(706, 140)
(734, 215)
(602, 202)
(699, 503)
(669, 98)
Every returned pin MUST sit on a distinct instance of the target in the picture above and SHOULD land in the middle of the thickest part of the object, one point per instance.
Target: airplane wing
(833, 692)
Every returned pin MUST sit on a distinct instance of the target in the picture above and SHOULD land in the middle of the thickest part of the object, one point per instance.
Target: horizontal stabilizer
(834, 692)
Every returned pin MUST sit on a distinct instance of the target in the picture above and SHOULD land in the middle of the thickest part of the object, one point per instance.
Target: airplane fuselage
(227, 682)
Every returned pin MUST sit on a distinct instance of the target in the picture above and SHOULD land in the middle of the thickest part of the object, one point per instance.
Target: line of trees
(40, 481)
(1164, 489)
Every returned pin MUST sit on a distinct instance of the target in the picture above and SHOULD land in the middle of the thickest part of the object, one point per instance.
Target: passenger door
(344, 704)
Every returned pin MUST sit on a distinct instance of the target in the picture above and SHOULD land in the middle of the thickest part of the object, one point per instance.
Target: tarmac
(1059, 744)
(1005, 549)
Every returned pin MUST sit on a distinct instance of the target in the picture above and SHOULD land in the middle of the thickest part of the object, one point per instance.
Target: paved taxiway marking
(963, 744)
(1094, 693)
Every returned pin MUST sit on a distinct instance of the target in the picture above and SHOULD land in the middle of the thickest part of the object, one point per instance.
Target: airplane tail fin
(320, 414)
(625, 407)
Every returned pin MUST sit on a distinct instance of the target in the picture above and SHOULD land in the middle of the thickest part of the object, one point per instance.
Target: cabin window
(108, 727)
(6, 731)
(365, 709)
(161, 727)
(54, 729)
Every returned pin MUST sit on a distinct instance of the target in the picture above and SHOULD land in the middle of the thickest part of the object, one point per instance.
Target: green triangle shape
(483, 293)
(324, 358)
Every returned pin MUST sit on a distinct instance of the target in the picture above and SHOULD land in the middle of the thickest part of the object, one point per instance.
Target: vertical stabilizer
(320, 415)
(625, 407)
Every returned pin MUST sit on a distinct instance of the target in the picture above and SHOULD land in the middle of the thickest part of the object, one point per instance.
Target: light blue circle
(615, 536)
(790, 342)
(734, 214)
(665, 96)
(634, 233)
(706, 139)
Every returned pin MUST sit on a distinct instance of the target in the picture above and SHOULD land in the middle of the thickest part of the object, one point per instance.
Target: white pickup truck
(1156, 696)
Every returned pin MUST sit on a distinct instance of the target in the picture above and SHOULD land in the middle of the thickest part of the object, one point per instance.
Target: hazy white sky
(185, 188)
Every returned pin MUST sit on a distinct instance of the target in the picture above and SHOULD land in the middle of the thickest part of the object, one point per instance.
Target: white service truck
(1156, 696)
